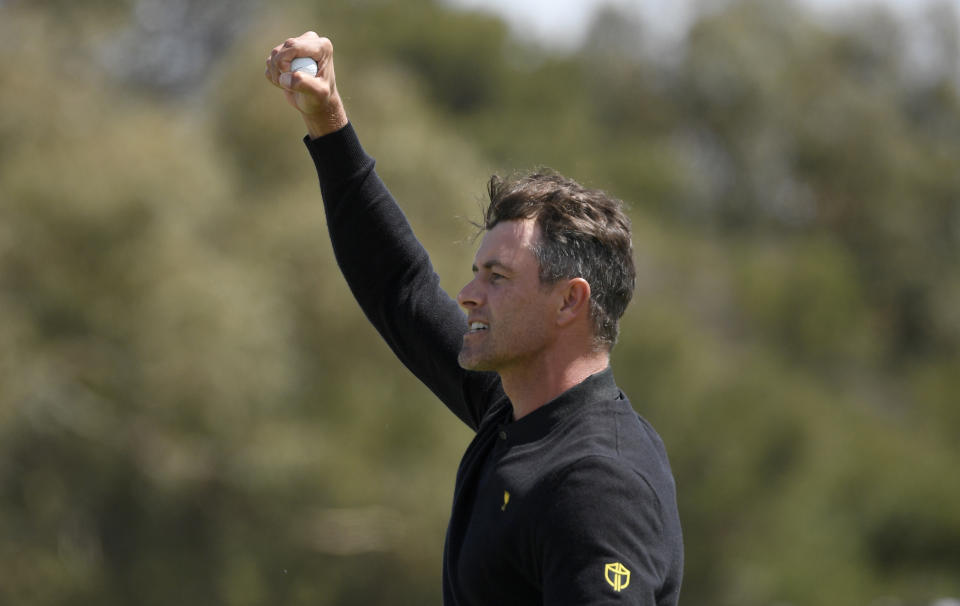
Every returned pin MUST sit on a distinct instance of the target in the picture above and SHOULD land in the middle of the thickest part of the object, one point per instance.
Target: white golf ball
(304, 64)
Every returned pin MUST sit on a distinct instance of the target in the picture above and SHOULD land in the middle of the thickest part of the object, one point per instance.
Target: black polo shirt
(572, 504)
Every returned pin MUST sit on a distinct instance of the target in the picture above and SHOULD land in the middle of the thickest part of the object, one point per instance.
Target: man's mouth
(476, 327)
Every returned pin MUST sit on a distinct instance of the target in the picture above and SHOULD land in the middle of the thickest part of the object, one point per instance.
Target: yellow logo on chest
(506, 499)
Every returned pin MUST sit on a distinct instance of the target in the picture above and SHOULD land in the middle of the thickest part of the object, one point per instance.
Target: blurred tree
(170, 46)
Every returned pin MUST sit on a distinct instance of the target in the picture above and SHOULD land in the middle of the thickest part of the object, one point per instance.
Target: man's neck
(531, 387)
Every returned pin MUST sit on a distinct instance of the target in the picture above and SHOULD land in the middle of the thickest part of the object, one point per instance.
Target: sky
(562, 23)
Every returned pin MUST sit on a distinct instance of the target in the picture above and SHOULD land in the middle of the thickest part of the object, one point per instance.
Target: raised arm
(386, 267)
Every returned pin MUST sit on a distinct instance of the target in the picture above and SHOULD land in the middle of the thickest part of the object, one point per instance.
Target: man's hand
(315, 97)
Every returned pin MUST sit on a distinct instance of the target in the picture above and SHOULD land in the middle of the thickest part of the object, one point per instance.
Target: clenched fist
(315, 97)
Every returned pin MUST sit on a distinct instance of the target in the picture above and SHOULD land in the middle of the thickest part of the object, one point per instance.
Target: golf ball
(304, 64)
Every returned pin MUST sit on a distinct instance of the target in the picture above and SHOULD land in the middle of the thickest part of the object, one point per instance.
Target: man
(565, 495)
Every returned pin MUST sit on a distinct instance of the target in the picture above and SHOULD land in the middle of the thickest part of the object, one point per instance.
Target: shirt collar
(598, 387)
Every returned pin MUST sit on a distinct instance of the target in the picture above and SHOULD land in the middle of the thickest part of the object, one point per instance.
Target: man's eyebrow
(491, 264)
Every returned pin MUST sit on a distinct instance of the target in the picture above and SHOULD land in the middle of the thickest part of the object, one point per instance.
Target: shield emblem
(617, 576)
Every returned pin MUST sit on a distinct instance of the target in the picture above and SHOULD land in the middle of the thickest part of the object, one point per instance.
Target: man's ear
(575, 301)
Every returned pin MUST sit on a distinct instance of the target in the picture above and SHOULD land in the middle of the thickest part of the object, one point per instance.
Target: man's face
(508, 309)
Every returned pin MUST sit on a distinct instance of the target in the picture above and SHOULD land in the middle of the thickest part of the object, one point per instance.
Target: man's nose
(469, 297)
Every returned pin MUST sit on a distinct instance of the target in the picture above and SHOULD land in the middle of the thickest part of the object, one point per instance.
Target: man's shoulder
(613, 429)
(609, 441)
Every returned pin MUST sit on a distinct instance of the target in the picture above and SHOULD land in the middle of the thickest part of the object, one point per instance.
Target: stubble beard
(476, 358)
(471, 362)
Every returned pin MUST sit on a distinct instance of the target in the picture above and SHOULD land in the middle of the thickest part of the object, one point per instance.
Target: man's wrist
(319, 125)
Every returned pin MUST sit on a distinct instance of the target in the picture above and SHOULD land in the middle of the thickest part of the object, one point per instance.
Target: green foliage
(193, 411)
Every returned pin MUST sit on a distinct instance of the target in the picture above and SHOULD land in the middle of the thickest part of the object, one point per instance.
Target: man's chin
(468, 362)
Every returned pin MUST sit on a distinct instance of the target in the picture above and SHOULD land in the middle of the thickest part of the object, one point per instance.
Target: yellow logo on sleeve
(617, 576)
(506, 499)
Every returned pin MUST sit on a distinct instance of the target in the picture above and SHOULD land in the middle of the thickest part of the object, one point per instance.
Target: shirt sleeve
(392, 278)
(602, 538)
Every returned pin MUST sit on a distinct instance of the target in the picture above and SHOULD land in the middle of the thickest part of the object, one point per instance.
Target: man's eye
(495, 276)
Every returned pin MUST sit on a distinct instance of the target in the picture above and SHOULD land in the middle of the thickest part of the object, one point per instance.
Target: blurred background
(193, 411)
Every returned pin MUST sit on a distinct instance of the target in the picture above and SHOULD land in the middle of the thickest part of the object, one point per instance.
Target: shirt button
(503, 435)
